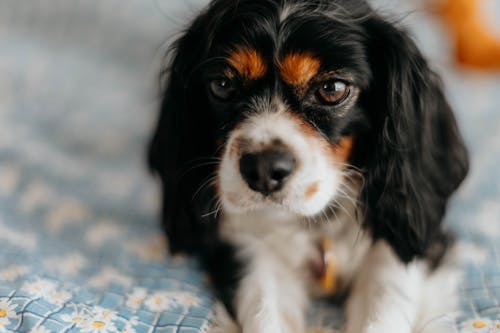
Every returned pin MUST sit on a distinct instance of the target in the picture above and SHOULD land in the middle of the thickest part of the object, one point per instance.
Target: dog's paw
(222, 322)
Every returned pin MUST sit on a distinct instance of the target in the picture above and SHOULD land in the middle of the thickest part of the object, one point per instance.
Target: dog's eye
(333, 92)
(222, 88)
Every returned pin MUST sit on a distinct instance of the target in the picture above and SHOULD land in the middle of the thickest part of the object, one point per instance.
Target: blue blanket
(80, 246)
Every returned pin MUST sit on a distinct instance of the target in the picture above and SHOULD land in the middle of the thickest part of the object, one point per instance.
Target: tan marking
(342, 150)
(312, 190)
(231, 197)
(298, 69)
(305, 127)
(248, 62)
(235, 147)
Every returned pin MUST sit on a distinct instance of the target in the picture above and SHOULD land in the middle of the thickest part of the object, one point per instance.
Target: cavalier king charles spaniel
(306, 148)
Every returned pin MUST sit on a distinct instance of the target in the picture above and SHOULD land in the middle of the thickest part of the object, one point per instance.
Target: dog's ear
(183, 142)
(418, 158)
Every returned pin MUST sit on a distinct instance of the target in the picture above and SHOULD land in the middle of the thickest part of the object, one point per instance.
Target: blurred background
(80, 245)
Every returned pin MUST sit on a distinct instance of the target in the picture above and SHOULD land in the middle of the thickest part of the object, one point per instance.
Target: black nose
(266, 172)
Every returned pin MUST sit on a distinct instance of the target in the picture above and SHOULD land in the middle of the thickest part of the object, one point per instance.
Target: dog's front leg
(386, 294)
(271, 297)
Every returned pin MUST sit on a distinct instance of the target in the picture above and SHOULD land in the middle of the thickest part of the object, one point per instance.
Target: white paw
(223, 322)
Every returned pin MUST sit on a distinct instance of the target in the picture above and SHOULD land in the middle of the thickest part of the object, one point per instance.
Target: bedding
(80, 246)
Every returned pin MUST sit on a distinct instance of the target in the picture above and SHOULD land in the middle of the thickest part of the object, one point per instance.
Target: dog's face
(284, 83)
(281, 101)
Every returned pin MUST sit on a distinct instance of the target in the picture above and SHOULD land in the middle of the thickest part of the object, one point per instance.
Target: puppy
(306, 147)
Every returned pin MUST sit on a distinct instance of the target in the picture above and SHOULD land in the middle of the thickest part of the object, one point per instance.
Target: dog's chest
(326, 253)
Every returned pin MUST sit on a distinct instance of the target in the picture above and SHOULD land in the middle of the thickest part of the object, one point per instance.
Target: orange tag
(328, 278)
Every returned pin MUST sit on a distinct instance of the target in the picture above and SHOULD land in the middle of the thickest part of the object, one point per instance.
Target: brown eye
(222, 88)
(333, 92)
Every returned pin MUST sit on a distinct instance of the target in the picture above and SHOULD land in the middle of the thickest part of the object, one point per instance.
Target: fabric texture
(80, 246)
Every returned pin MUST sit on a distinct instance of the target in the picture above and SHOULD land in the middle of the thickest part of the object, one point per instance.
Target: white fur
(440, 297)
(386, 294)
(390, 297)
(272, 296)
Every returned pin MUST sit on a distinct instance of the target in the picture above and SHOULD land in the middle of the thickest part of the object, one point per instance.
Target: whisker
(214, 212)
(349, 167)
(352, 200)
(332, 209)
(324, 217)
(199, 166)
(218, 207)
(309, 219)
(219, 148)
(211, 178)
(343, 208)
(216, 203)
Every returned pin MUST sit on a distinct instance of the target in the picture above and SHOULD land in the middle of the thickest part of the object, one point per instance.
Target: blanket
(81, 249)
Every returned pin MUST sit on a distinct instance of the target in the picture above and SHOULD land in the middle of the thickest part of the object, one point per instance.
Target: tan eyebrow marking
(248, 62)
(297, 69)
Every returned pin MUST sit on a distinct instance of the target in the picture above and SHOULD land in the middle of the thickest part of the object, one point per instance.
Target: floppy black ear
(418, 158)
(182, 144)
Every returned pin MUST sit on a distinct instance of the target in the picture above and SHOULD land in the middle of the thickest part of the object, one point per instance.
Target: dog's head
(276, 104)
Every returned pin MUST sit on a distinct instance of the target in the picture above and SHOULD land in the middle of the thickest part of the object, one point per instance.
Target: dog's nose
(267, 171)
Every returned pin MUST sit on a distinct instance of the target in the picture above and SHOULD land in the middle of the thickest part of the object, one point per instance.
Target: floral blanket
(80, 246)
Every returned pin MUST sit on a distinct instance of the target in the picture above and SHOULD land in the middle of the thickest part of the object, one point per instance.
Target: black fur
(407, 141)
(418, 158)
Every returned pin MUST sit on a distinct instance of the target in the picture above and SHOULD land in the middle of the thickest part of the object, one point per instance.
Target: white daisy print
(40, 288)
(103, 232)
(159, 301)
(36, 195)
(97, 325)
(154, 249)
(29, 240)
(185, 299)
(471, 253)
(97, 320)
(7, 312)
(481, 326)
(77, 318)
(58, 297)
(129, 327)
(13, 272)
(40, 329)
(100, 312)
(70, 264)
(68, 212)
(109, 275)
(136, 298)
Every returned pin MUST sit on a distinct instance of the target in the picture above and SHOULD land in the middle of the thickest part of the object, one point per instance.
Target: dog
(306, 148)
